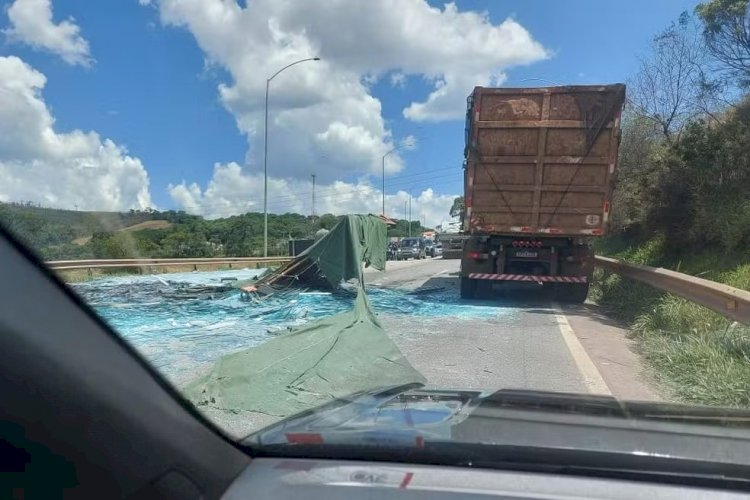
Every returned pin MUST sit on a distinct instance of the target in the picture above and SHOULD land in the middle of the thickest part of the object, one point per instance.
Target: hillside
(68, 234)
(149, 224)
(46, 226)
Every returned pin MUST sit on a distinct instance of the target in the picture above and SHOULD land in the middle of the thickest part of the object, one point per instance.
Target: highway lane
(491, 344)
(501, 343)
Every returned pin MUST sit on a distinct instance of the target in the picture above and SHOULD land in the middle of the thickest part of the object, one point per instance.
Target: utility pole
(410, 213)
(313, 197)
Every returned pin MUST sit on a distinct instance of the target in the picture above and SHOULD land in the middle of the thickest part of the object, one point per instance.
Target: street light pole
(383, 165)
(383, 191)
(313, 197)
(265, 154)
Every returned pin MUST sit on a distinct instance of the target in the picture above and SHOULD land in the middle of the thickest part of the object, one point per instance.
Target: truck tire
(572, 293)
(468, 288)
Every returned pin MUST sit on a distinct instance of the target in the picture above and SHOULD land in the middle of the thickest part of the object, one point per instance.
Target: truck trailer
(539, 171)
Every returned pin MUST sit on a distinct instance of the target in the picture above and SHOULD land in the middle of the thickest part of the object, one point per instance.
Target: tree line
(67, 234)
(684, 170)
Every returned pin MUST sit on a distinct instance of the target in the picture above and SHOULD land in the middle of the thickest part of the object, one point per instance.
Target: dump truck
(539, 169)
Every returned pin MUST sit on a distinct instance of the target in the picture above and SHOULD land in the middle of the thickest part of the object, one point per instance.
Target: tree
(458, 208)
(327, 221)
(641, 139)
(401, 228)
(726, 30)
(670, 86)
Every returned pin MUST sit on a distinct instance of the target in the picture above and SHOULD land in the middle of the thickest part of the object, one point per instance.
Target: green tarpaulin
(325, 359)
(355, 239)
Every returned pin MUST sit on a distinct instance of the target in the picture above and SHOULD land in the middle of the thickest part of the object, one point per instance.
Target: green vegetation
(698, 355)
(682, 202)
(66, 234)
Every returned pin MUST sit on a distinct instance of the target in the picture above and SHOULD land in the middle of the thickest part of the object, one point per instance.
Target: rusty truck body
(539, 173)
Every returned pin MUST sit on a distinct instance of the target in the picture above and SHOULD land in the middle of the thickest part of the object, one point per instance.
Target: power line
(283, 202)
(296, 199)
(422, 175)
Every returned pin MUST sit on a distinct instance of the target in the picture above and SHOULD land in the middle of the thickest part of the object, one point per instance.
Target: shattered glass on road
(184, 322)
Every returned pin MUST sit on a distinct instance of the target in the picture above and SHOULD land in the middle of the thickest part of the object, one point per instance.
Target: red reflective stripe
(528, 277)
(304, 438)
(406, 480)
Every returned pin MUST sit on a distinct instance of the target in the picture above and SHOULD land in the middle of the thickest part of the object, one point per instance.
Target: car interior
(84, 416)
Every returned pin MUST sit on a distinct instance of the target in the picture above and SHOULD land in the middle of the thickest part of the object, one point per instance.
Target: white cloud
(31, 23)
(322, 113)
(57, 169)
(233, 191)
(398, 79)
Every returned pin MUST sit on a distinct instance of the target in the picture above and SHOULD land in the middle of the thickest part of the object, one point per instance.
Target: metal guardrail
(62, 265)
(724, 299)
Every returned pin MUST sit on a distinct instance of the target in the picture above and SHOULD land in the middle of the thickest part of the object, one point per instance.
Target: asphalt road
(492, 344)
(499, 342)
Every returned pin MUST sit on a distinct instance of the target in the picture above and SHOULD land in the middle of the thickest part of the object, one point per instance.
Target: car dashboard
(282, 478)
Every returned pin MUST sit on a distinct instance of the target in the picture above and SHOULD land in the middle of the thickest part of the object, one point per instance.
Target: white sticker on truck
(592, 220)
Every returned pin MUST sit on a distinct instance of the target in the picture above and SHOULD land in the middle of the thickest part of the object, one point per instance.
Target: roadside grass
(697, 355)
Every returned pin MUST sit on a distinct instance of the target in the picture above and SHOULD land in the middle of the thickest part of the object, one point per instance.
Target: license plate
(526, 254)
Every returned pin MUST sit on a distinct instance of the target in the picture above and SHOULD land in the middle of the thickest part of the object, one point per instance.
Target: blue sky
(147, 86)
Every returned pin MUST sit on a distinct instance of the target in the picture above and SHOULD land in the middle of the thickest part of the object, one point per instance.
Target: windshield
(280, 204)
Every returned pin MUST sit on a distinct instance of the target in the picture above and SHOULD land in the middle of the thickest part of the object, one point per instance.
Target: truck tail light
(477, 255)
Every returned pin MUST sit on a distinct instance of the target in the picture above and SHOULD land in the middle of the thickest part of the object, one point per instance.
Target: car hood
(412, 417)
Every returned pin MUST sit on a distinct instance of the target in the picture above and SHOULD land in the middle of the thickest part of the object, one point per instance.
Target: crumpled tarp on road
(325, 359)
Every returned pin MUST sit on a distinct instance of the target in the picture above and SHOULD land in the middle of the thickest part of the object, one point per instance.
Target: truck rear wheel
(572, 293)
(468, 288)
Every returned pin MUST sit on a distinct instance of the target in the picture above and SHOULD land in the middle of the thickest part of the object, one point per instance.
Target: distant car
(429, 248)
(438, 250)
(411, 248)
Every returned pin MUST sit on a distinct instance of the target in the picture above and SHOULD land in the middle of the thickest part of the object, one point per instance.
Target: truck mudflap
(528, 277)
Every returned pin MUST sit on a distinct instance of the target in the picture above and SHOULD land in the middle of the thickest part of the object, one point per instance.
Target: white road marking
(591, 376)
